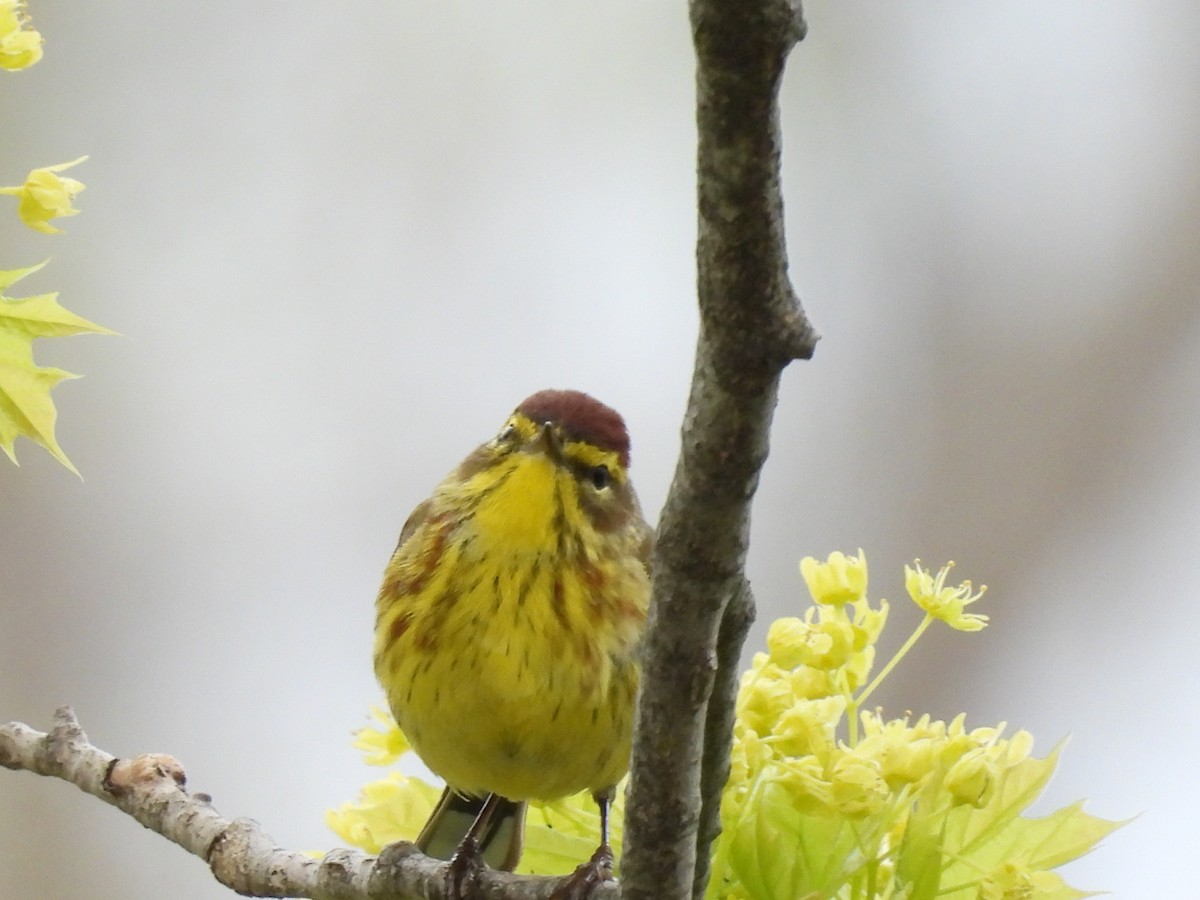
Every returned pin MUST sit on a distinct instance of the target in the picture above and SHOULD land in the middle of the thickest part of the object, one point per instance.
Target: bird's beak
(549, 442)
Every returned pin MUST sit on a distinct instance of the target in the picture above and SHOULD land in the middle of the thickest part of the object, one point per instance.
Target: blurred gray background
(343, 240)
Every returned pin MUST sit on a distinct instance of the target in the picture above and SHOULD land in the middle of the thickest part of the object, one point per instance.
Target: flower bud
(788, 642)
(841, 579)
(46, 195)
(858, 787)
(808, 792)
(973, 778)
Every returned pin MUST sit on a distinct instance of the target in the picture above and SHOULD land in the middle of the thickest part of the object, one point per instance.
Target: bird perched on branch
(508, 626)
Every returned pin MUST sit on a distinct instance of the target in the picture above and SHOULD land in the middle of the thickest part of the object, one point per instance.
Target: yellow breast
(506, 637)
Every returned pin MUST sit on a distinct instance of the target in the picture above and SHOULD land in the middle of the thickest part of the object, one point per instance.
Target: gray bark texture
(751, 327)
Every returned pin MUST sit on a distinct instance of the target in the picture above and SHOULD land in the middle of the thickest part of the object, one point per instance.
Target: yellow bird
(508, 626)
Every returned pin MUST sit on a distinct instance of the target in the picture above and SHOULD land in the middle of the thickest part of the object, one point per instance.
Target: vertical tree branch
(718, 726)
(751, 327)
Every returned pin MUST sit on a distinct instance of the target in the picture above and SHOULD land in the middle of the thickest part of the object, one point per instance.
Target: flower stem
(886, 670)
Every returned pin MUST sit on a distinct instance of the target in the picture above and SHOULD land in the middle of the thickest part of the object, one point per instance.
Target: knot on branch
(747, 342)
(143, 771)
(746, 37)
(236, 858)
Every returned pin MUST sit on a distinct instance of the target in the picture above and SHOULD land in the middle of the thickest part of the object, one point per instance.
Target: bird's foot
(585, 879)
(463, 870)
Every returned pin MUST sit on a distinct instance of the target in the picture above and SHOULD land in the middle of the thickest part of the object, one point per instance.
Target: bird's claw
(586, 878)
(463, 870)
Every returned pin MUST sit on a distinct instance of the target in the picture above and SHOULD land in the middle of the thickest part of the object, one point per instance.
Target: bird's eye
(600, 477)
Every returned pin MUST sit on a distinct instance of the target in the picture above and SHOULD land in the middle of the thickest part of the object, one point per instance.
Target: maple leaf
(25, 404)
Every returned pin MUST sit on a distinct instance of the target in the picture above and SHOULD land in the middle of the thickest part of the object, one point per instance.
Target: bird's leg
(595, 871)
(466, 862)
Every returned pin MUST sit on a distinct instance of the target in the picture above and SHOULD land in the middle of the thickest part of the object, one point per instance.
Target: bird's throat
(526, 508)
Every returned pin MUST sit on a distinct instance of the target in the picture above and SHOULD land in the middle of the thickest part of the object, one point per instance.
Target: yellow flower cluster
(20, 45)
(796, 695)
(389, 809)
(826, 799)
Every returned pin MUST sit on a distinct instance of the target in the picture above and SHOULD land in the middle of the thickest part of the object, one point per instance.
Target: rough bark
(751, 327)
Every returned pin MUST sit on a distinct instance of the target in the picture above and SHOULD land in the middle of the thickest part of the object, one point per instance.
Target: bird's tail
(500, 840)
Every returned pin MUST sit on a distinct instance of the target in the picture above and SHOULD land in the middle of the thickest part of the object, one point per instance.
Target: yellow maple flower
(858, 786)
(946, 603)
(46, 195)
(20, 45)
(840, 579)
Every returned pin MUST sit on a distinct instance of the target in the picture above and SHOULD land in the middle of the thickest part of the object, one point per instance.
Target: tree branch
(718, 726)
(751, 327)
(243, 857)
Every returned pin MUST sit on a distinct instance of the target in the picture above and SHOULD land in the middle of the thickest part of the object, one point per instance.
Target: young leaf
(25, 404)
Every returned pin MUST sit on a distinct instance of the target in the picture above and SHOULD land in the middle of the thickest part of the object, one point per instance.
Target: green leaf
(25, 405)
(780, 853)
(562, 834)
(9, 277)
(978, 840)
(42, 316)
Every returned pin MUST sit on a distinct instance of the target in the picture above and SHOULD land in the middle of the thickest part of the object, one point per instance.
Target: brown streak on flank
(582, 418)
(399, 626)
(425, 640)
(435, 620)
(429, 555)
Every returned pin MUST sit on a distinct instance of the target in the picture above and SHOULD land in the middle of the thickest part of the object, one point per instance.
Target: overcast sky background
(342, 241)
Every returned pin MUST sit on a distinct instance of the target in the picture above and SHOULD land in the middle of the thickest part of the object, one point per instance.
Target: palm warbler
(508, 624)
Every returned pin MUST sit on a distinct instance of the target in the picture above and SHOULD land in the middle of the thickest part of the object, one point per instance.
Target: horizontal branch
(242, 856)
